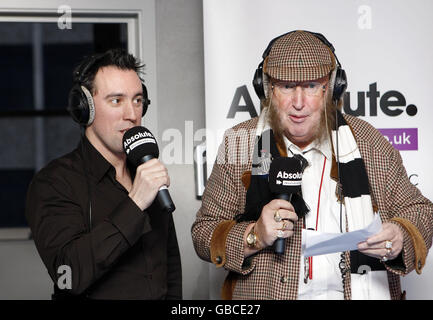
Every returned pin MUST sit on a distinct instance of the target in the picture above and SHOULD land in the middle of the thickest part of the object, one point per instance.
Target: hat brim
(299, 74)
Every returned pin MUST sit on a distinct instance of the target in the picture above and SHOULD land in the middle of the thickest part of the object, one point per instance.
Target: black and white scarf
(359, 213)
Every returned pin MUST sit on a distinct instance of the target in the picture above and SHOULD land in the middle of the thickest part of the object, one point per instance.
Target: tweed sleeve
(405, 201)
(397, 198)
(223, 199)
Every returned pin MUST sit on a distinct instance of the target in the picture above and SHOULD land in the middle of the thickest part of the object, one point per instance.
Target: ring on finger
(280, 233)
(277, 216)
(285, 225)
(388, 252)
(388, 244)
(384, 258)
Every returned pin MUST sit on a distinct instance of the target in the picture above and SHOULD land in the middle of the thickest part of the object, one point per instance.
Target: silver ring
(280, 233)
(388, 244)
(388, 252)
(384, 259)
(277, 216)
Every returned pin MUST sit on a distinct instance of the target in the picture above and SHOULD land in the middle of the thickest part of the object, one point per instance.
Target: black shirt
(82, 217)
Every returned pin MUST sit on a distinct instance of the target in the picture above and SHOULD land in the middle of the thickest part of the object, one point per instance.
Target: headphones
(340, 82)
(80, 103)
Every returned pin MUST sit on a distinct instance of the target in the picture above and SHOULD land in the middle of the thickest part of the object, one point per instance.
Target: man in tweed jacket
(299, 104)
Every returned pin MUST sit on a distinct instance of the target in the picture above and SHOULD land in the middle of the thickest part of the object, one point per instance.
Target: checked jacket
(270, 276)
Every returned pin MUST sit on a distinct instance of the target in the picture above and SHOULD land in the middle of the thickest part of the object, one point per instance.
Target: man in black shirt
(91, 212)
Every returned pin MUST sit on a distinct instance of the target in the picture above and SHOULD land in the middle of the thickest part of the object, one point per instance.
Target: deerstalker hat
(299, 56)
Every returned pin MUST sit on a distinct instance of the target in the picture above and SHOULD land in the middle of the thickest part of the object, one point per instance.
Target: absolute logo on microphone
(138, 139)
(285, 175)
(288, 179)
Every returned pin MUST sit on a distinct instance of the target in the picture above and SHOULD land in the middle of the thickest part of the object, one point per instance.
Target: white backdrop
(385, 47)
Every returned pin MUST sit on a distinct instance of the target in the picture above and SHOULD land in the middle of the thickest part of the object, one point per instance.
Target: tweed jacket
(269, 276)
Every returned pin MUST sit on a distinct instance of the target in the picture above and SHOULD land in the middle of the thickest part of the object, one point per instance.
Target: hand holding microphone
(276, 221)
(285, 178)
(151, 179)
(268, 228)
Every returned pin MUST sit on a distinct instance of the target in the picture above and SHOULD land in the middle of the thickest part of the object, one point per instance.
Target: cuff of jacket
(218, 242)
(419, 253)
(128, 218)
(227, 247)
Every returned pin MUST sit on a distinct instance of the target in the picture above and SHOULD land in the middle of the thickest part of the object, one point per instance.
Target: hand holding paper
(375, 246)
(318, 243)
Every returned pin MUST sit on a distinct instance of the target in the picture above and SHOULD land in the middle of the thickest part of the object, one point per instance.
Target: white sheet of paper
(317, 243)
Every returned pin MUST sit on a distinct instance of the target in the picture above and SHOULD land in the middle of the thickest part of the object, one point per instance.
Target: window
(36, 63)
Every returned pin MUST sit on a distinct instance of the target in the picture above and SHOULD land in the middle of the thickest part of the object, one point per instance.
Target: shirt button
(419, 265)
(284, 279)
(218, 259)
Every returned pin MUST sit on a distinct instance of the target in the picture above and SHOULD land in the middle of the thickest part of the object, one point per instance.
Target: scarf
(354, 193)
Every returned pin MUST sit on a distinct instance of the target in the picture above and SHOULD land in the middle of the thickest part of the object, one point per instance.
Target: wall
(180, 73)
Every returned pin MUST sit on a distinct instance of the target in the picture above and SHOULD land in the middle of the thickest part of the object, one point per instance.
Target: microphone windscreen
(139, 142)
(285, 175)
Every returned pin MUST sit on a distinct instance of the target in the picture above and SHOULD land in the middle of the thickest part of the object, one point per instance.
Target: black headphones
(80, 102)
(340, 83)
